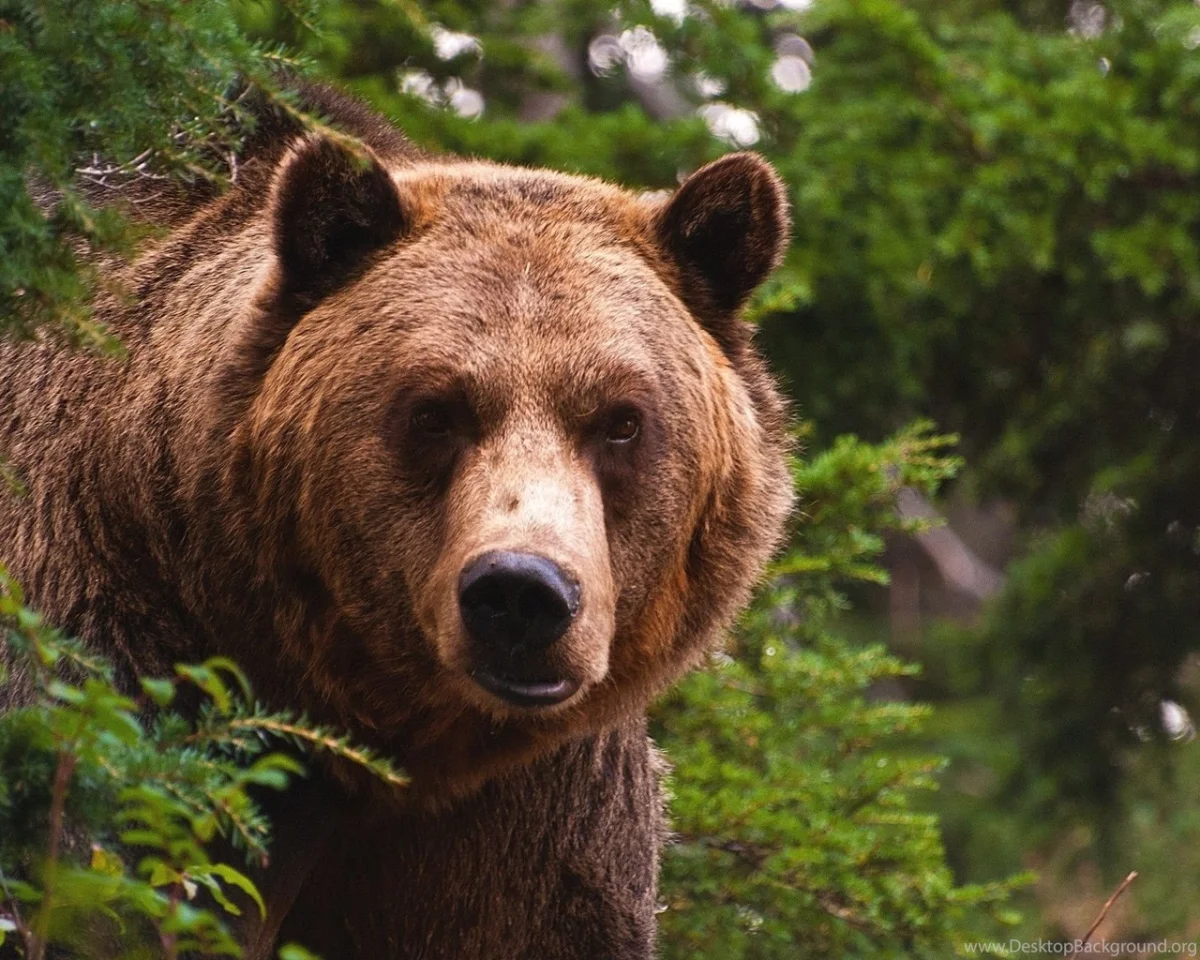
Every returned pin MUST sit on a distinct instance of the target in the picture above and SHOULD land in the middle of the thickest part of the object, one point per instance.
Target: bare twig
(170, 941)
(957, 563)
(99, 171)
(11, 902)
(835, 909)
(1121, 888)
(58, 803)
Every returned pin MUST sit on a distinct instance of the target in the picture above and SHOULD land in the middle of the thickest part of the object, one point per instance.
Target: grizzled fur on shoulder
(470, 460)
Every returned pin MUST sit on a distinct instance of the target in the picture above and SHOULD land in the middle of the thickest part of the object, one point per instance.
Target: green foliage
(93, 95)
(1013, 229)
(111, 807)
(793, 793)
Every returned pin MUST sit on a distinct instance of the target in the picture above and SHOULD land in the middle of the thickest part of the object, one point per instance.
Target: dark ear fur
(725, 229)
(331, 210)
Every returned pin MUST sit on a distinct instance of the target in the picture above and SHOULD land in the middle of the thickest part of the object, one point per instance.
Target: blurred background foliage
(997, 228)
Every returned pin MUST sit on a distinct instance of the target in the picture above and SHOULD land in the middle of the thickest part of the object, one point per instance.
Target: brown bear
(468, 459)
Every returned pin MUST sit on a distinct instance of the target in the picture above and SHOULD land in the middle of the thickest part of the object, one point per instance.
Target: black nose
(516, 602)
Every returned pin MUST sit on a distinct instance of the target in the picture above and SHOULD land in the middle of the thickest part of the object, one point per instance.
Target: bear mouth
(530, 694)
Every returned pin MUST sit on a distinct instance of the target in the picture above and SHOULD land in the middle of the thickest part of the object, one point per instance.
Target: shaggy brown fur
(348, 378)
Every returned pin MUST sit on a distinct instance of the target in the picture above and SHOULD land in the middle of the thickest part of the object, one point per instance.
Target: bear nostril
(490, 599)
(516, 601)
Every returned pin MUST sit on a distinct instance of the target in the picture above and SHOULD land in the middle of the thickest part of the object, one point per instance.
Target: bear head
(506, 450)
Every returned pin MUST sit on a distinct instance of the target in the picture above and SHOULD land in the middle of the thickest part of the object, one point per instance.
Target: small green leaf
(241, 881)
(293, 951)
(161, 875)
(208, 681)
(106, 862)
(225, 665)
(162, 692)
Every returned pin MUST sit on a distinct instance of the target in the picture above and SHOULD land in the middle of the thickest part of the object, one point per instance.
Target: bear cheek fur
(325, 487)
(723, 506)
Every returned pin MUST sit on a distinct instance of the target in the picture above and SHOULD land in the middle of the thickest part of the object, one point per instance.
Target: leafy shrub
(92, 94)
(793, 793)
(111, 807)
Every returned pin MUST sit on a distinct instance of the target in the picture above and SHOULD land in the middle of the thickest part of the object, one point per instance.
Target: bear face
(502, 438)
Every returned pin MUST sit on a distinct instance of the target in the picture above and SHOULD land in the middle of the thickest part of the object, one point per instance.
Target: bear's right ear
(331, 209)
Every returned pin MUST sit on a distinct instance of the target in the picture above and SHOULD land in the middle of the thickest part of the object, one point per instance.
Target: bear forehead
(494, 245)
(483, 197)
(544, 315)
(501, 247)
(524, 277)
(560, 317)
(560, 298)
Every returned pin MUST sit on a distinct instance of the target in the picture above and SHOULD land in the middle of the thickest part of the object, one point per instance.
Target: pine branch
(324, 739)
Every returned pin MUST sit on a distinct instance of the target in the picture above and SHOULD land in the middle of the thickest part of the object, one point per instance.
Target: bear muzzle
(515, 607)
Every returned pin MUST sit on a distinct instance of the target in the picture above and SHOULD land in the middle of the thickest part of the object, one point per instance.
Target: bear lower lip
(523, 693)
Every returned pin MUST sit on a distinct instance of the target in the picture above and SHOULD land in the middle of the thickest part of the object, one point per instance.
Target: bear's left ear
(331, 209)
(725, 229)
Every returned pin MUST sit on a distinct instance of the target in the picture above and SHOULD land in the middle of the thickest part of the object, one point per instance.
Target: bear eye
(432, 420)
(624, 426)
